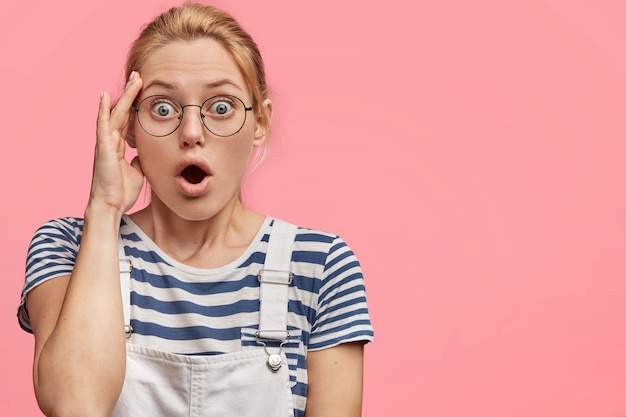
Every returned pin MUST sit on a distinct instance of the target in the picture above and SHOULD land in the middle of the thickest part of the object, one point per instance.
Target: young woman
(195, 305)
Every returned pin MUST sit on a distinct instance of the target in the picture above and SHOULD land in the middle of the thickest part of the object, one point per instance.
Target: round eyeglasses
(160, 115)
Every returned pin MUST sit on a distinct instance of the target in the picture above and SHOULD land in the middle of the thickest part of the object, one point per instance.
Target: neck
(206, 243)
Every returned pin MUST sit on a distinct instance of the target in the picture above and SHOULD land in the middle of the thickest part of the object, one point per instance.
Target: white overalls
(250, 383)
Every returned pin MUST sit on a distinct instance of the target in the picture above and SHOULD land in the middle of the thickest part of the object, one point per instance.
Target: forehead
(192, 67)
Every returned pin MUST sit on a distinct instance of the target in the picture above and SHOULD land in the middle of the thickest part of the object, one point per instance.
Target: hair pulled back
(193, 21)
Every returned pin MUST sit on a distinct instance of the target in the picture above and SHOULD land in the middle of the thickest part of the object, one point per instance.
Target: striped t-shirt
(186, 310)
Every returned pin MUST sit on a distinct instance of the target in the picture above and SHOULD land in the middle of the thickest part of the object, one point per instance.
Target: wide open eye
(159, 115)
(163, 109)
(220, 106)
(224, 115)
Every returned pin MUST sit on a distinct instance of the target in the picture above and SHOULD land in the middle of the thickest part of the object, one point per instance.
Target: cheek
(231, 161)
(242, 151)
(153, 156)
(239, 149)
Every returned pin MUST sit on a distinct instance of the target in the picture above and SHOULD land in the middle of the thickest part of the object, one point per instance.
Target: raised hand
(115, 183)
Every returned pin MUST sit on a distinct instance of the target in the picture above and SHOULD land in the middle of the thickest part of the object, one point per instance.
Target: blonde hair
(193, 21)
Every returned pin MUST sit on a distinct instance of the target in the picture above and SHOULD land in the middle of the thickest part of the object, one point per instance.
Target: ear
(262, 130)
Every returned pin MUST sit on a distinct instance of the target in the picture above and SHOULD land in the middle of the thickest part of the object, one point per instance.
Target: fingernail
(133, 76)
(101, 94)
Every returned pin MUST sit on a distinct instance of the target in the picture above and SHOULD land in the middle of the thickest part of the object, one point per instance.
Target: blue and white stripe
(181, 309)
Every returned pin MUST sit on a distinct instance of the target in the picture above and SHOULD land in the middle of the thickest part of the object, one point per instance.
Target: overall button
(274, 362)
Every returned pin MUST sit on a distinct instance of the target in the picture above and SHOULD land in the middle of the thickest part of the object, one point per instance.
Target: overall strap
(275, 278)
(125, 267)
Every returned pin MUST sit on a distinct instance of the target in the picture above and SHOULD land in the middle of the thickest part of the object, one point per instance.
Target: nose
(191, 128)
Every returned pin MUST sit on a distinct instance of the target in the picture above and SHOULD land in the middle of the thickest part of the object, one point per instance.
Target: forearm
(80, 368)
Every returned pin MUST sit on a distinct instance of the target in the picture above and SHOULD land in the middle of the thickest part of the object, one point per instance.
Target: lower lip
(193, 190)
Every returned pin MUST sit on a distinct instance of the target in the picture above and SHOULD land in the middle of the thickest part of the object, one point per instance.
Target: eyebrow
(208, 86)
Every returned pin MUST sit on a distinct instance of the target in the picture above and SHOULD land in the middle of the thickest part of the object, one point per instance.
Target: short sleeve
(51, 254)
(342, 312)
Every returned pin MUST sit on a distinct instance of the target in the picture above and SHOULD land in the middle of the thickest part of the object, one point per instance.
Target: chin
(194, 209)
(196, 215)
(199, 210)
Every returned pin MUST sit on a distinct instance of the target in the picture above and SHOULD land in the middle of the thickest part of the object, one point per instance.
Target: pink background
(471, 153)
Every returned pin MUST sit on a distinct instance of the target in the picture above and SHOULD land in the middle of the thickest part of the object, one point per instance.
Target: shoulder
(310, 239)
(51, 254)
(67, 224)
(326, 268)
(324, 249)
(307, 234)
(63, 229)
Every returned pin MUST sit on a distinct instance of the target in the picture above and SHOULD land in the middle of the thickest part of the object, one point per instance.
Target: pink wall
(470, 152)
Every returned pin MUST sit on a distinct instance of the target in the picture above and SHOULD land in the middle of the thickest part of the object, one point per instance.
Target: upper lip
(191, 160)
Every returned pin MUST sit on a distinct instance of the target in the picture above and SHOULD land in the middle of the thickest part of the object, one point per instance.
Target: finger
(102, 126)
(121, 111)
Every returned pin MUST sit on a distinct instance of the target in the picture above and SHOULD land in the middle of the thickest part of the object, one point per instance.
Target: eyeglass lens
(161, 115)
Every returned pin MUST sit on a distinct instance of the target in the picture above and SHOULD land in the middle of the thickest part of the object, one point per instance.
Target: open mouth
(193, 174)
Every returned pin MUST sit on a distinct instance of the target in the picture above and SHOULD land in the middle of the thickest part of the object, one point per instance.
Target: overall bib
(250, 383)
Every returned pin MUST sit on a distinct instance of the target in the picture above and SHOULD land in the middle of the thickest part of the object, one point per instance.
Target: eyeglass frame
(182, 114)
